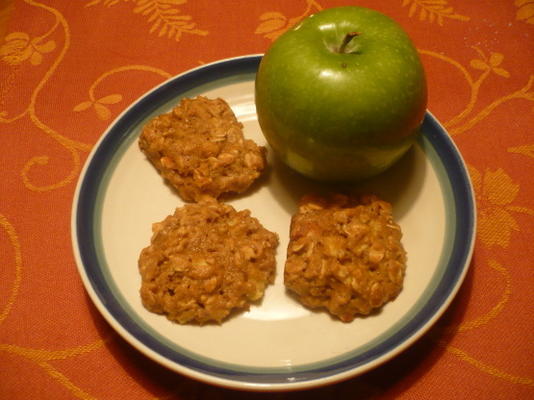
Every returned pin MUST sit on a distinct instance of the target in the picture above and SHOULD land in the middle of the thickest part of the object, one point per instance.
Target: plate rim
(232, 64)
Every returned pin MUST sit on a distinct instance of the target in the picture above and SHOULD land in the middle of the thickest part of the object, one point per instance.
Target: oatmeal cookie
(200, 150)
(205, 261)
(345, 255)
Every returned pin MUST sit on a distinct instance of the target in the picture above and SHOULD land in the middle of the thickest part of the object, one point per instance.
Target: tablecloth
(69, 67)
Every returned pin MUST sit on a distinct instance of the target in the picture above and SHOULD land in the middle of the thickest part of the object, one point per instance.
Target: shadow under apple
(400, 185)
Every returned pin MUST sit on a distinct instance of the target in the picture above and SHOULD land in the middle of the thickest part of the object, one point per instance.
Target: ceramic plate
(278, 344)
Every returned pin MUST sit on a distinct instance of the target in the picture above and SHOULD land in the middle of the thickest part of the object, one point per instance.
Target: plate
(278, 344)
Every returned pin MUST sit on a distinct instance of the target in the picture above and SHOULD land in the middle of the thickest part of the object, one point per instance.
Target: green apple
(341, 96)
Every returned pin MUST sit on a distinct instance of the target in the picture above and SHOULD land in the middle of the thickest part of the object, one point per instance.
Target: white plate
(278, 344)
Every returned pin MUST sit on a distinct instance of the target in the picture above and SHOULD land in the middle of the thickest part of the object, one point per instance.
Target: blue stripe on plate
(87, 213)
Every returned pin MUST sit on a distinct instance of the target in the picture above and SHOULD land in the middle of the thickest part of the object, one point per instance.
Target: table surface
(68, 68)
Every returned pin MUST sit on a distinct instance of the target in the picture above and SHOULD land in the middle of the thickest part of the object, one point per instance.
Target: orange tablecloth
(67, 68)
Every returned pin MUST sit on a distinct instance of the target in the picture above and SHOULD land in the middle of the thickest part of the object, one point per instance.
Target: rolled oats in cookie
(205, 261)
(199, 148)
(345, 255)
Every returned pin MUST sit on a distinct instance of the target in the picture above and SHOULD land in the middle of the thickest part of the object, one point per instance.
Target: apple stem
(348, 37)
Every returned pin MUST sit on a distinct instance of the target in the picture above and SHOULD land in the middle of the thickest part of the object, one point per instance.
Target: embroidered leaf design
(495, 60)
(166, 20)
(432, 10)
(272, 21)
(272, 15)
(270, 25)
(16, 48)
(490, 63)
(274, 34)
(84, 105)
(527, 150)
(479, 64)
(107, 3)
(36, 58)
(525, 11)
(164, 17)
(495, 193)
(111, 99)
(499, 188)
(46, 47)
(495, 227)
(17, 36)
(501, 72)
(102, 111)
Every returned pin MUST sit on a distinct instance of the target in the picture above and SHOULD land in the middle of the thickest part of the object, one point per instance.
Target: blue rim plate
(277, 345)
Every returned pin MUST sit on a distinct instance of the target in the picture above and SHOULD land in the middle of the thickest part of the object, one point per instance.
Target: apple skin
(341, 116)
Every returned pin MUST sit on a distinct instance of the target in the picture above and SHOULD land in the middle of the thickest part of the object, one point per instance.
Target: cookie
(204, 262)
(200, 150)
(345, 255)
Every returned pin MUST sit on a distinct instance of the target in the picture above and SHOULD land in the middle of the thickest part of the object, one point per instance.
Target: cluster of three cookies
(207, 259)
